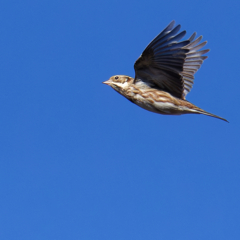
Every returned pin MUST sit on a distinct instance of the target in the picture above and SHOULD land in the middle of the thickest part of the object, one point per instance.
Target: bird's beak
(108, 82)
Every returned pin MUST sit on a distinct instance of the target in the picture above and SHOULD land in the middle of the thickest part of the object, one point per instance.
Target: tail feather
(211, 115)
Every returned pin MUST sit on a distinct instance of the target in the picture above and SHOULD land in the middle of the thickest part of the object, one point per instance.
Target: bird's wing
(170, 65)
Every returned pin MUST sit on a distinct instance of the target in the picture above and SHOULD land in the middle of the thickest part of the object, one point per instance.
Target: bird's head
(119, 82)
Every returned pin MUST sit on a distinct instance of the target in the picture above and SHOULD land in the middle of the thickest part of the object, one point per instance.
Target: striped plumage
(164, 74)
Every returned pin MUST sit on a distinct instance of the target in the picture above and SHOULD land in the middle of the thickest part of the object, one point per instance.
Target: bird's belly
(146, 106)
(163, 107)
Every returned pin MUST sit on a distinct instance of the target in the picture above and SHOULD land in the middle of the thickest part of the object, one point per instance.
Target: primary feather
(169, 65)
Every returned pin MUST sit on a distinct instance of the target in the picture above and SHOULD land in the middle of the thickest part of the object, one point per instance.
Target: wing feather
(169, 64)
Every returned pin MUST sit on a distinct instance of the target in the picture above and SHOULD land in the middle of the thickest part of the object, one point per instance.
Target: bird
(164, 74)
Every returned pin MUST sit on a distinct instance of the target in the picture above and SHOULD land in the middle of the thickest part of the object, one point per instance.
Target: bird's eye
(116, 77)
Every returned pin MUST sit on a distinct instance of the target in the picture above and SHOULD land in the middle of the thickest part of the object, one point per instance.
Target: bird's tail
(201, 111)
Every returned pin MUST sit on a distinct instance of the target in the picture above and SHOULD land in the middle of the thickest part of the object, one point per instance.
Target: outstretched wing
(170, 65)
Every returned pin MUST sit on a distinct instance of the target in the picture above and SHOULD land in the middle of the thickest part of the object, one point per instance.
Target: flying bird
(164, 74)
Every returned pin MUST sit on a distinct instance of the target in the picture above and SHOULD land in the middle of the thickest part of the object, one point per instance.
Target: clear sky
(78, 161)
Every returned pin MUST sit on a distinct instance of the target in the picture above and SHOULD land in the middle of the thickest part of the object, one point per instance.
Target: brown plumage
(164, 74)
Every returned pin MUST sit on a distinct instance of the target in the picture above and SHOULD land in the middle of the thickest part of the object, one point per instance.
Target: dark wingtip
(172, 23)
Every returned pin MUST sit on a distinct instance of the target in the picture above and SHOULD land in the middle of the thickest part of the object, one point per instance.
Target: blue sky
(78, 161)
